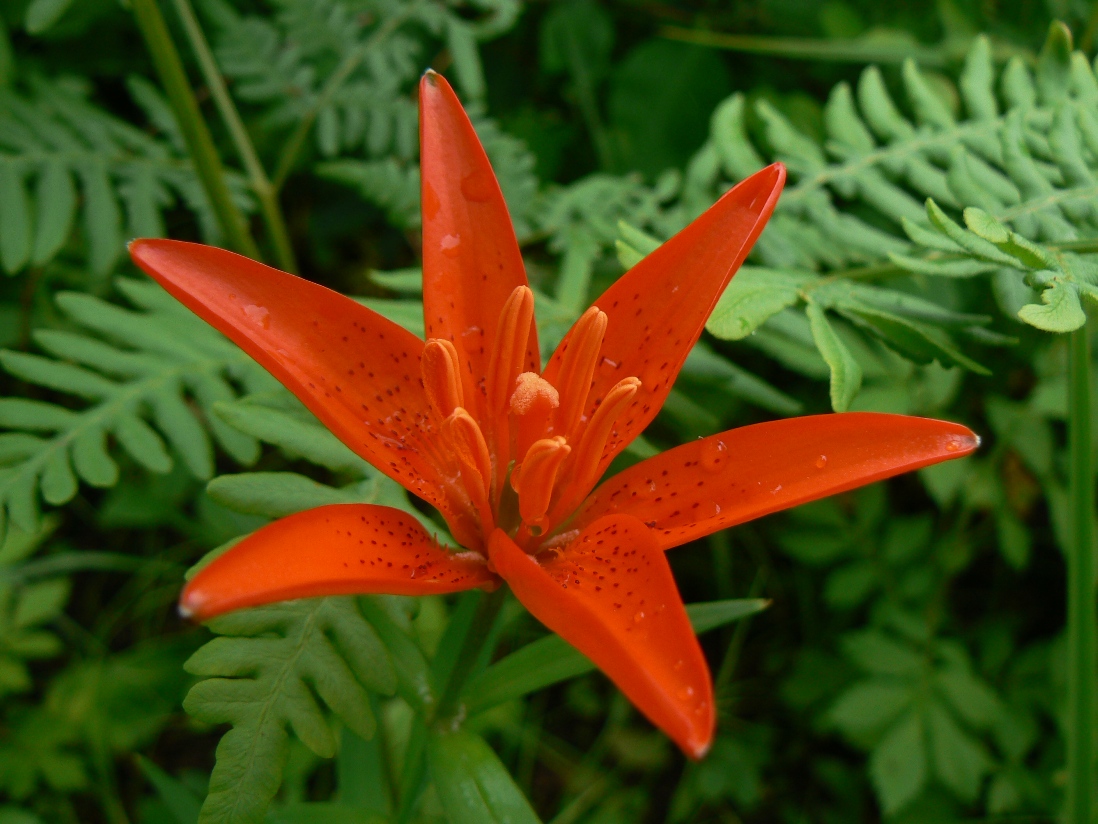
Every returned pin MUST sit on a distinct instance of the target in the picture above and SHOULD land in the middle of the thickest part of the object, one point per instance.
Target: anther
(509, 354)
(441, 372)
(471, 451)
(535, 478)
(585, 464)
(578, 368)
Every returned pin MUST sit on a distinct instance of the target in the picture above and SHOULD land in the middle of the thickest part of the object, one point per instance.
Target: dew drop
(477, 187)
(686, 693)
(450, 245)
(713, 456)
(821, 462)
(952, 445)
(258, 315)
(638, 617)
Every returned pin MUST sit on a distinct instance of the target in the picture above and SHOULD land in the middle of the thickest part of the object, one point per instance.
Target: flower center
(533, 433)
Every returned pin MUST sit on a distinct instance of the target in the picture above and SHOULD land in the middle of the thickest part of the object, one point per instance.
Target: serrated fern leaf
(147, 382)
(279, 669)
(1060, 278)
(65, 162)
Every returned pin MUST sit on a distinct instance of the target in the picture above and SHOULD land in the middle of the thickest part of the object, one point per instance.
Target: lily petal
(471, 260)
(610, 594)
(358, 372)
(341, 549)
(736, 476)
(657, 310)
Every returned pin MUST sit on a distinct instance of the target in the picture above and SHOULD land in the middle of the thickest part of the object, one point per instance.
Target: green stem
(297, 140)
(447, 710)
(265, 193)
(1082, 618)
(169, 68)
(479, 631)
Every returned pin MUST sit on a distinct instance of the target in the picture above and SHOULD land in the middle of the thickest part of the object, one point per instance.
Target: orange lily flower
(509, 453)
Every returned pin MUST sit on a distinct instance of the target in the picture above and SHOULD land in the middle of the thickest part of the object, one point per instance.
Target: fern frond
(24, 609)
(276, 669)
(61, 158)
(148, 380)
(1058, 277)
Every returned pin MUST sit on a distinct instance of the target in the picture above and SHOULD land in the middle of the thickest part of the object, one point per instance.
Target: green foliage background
(939, 228)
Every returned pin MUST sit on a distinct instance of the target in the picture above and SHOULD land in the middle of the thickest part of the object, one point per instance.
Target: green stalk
(453, 671)
(169, 68)
(1082, 618)
(265, 193)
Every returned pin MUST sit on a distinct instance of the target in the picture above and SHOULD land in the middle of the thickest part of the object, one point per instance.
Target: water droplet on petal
(713, 456)
(258, 315)
(679, 665)
(686, 693)
(953, 445)
(477, 187)
(450, 244)
(638, 617)
(821, 462)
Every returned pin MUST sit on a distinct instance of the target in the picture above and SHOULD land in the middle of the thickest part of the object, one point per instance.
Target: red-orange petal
(610, 594)
(471, 260)
(736, 476)
(657, 310)
(358, 372)
(342, 549)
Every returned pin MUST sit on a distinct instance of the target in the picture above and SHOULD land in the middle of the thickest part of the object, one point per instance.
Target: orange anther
(512, 338)
(441, 373)
(578, 368)
(585, 465)
(535, 478)
(471, 451)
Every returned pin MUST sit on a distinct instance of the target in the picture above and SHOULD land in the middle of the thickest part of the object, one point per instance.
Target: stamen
(578, 368)
(532, 405)
(535, 477)
(441, 372)
(585, 465)
(509, 354)
(471, 451)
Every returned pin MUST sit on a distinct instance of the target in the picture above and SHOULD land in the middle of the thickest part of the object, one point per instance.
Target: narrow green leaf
(58, 481)
(92, 461)
(55, 195)
(275, 494)
(42, 14)
(183, 431)
(1054, 64)
(846, 373)
(142, 443)
(473, 785)
(15, 219)
(181, 802)
(298, 437)
(550, 660)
